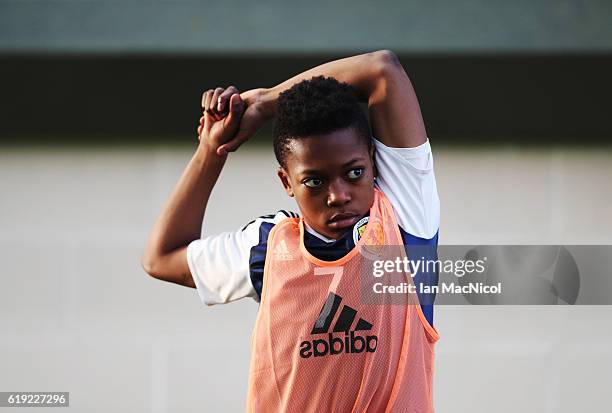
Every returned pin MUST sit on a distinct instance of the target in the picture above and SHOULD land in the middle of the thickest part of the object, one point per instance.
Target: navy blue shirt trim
(337, 249)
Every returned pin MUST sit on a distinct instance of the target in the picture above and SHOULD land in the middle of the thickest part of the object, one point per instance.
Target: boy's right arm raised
(378, 78)
(180, 220)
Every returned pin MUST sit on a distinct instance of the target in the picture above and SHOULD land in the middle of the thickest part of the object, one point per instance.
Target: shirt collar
(323, 238)
(316, 234)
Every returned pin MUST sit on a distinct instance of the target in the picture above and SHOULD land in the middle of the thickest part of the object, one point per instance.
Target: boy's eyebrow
(318, 172)
(352, 161)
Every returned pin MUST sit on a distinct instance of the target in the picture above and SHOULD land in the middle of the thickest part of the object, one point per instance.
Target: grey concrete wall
(312, 26)
(78, 314)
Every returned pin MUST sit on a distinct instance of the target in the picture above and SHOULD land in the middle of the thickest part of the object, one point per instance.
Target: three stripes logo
(281, 252)
(350, 343)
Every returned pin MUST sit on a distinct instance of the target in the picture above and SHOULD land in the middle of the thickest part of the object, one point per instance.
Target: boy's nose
(338, 195)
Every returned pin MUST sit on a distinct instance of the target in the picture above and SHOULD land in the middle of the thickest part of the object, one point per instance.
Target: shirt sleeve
(407, 178)
(219, 264)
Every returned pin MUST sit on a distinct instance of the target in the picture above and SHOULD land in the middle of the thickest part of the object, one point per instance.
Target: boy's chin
(342, 225)
(336, 232)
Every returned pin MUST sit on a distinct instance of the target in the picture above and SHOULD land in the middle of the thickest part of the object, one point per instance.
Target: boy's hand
(220, 127)
(254, 116)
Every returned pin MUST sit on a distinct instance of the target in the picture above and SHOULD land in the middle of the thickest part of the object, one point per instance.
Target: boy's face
(332, 179)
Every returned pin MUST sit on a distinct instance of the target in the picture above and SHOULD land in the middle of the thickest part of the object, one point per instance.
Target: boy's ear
(284, 177)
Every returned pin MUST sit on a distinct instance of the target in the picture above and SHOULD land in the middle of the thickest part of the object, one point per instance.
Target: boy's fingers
(224, 97)
(215, 102)
(235, 103)
(236, 109)
(214, 99)
(214, 116)
(206, 99)
(208, 105)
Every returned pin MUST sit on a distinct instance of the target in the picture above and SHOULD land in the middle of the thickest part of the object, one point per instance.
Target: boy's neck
(316, 234)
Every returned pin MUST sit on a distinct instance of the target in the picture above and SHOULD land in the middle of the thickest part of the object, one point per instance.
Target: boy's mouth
(342, 220)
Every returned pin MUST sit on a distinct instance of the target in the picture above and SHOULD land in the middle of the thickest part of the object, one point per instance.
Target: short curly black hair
(317, 106)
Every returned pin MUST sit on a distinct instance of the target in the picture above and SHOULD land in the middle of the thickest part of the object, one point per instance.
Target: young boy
(317, 345)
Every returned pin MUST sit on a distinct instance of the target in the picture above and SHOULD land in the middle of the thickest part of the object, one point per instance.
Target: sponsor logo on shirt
(281, 252)
(333, 344)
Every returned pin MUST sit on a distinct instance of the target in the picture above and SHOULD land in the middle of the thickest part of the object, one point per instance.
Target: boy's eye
(355, 173)
(313, 182)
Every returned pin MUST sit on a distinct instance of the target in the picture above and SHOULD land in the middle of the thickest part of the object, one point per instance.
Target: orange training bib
(319, 346)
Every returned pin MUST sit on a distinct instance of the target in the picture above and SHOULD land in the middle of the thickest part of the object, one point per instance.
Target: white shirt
(219, 264)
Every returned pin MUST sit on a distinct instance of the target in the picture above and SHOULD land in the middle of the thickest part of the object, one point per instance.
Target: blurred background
(101, 103)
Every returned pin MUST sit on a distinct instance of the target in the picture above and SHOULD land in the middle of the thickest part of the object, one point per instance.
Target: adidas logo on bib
(281, 252)
(331, 345)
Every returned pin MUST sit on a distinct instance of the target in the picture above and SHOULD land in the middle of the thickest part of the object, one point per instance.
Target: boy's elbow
(171, 268)
(150, 265)
(387, 63)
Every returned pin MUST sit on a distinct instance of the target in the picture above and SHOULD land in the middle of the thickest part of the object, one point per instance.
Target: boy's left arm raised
(180, 220)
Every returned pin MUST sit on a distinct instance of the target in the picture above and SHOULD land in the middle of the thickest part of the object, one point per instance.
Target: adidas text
(335, 345)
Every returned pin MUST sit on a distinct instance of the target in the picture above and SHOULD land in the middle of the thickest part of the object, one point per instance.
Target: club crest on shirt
(374, 240)
(359, 228)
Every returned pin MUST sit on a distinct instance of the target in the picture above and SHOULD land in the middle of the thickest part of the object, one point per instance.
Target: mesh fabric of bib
(323, 342)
